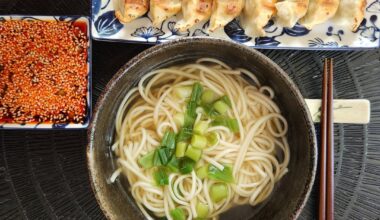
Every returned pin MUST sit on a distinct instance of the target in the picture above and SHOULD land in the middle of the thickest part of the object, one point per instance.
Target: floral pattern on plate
(328, 35)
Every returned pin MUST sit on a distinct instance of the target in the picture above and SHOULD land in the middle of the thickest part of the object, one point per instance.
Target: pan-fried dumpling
(129, 10)
(319, 11)
(224, 11)
(290, 11)
(163, 9)
(256, 15)
(194, 11)
(351, 13)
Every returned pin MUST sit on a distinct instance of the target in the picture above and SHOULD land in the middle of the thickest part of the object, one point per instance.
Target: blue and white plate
(80, 20)
(325, 36)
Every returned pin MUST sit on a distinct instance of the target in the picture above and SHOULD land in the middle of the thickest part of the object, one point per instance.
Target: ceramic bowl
(290, 193)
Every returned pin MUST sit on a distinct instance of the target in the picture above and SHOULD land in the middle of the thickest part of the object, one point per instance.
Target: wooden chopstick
(326, 182)
(330, 146)
(322, 160)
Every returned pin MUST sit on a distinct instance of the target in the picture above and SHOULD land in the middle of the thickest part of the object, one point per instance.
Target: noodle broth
(273, 195)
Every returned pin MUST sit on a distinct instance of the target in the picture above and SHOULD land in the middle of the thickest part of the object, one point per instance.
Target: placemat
(43, 174)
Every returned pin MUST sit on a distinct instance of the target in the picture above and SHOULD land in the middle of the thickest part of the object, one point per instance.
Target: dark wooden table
(43, 174)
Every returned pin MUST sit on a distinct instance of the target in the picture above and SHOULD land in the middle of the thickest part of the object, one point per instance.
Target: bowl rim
(152, 51)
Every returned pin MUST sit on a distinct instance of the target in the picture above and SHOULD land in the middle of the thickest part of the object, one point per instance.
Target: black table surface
(43, 174)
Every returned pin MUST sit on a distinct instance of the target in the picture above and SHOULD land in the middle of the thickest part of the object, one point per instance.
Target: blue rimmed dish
(326, 36)
(83, 23)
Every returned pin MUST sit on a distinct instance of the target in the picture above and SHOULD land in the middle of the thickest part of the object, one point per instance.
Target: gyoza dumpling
(351, 13)
(163, 9)
(129, 10)
(256, 15)
(194, 11)
(224, 11)
(290, 11)
(319, 11)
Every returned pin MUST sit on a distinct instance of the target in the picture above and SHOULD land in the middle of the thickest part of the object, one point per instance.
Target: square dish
(326, 36)
(45, 74)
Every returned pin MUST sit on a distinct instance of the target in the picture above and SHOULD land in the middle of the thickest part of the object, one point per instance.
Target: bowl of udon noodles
(201, 128)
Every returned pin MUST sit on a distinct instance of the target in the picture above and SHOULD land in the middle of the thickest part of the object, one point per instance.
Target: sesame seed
(43, 72)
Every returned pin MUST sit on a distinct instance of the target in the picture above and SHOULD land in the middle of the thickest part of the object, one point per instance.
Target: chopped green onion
(226, 100)
(186, 165)
(233, 125)
(210, 111)
(156, 159)
(173, 165)
(221, 107)
(190, 113)
(161, 176)
(178, 214)
(208, 97)
(218, 192)
(168, 140)
(165, 155)
(196, 92)
(202, 172)
(230, 123)
(183, 91)
(146, 161)
(224, 175)
(193, 153)
(200, 127)
(179, 119)
(199, 141)
(184, 134)
(202, 210)
(165, 138)
(212, 139)
(180, 149)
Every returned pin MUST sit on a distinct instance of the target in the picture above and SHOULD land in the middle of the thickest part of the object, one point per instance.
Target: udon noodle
(258, 153)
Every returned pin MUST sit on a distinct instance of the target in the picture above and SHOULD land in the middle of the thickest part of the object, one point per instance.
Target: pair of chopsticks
(326, 187)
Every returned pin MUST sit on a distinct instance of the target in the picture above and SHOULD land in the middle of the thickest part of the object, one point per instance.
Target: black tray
(43, 174)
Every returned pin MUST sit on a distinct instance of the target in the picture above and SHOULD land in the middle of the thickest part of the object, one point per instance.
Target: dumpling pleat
(350, 13)
(129, 10)
(256, 15)
(290, 11)
(319, 11)
(161, 10)
(224, 11)
(194, 11)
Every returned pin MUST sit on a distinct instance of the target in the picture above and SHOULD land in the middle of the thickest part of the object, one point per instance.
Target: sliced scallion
(165, 155)
(202, 172)
(193, 153)
(226, 100)
(178, 214)
(161, 176)
(218, 192)
(212, 139)
(202, 210)
(146, 161)
(198, 141)
(180, 149)
(186, 165)
(179, 119)
(221, 107)
(208, 96)
(224, 175)
(200, 127)
(173, 165)
(230, 123)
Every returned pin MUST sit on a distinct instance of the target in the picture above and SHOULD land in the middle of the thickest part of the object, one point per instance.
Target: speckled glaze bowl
(289, 195)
